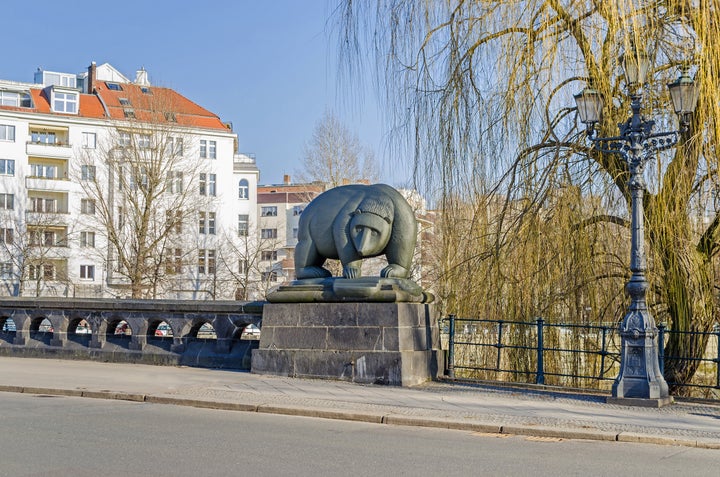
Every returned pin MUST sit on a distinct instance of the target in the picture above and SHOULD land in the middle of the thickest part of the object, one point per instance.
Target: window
(243, 189)
(7, 167)
(295, 233)
(13, 98)
(87, 239)
(7, 132)
(48, 272)
(208, 184)
(7, 236)
(268, 255)
(87, 173)
(208, 149)
(124, 102)
(124, 139)
(206, 261)
(121, 217)
(175, 182)
(129, 113)
(173, 220)
(268, 233)
(89, 140)
(42, 170)
(87, 272)
(113, 86)
(212, 185)
(298, 209)
(243, 225)
(269, 211)
(173, 261)
(47, 238)
(144, 141)
(40, 204)
(207, 223)
(65, 102)
(170, 117)
(87, 206)
(269, 276)
(145, 90)
(7, 201)
(6, 270)
(42, 137)
(175, 146)
(242, 266)
(203, 184)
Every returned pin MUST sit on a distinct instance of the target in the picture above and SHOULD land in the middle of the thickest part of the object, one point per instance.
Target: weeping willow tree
(481, 91)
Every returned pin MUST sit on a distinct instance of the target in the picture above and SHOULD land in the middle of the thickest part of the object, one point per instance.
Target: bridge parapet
(151, 331)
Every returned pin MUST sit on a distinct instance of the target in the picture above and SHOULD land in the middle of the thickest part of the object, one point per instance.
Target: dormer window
(169, 116)
(64, 102)
(129, 113)
(145, 90)
(124, 101)
(14, 98)
(113, 86)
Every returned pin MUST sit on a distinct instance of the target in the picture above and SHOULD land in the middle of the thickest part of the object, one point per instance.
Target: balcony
(58, 150)
(55, 252)
(57, 218)
(43, 183)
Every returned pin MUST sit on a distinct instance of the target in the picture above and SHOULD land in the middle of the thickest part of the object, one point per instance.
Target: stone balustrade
(128, 330)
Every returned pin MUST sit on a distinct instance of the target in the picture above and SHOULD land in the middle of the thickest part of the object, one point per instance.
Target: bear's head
(371, 226)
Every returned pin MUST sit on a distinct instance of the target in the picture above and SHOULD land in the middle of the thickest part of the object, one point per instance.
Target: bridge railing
(203, 333)
(570, 355)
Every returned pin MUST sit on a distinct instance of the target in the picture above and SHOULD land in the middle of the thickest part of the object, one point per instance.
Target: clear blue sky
(269, 67)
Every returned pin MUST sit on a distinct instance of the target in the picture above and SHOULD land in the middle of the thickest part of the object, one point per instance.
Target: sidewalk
(485, 409)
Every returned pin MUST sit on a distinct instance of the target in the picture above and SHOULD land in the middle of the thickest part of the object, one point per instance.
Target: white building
(113, 187)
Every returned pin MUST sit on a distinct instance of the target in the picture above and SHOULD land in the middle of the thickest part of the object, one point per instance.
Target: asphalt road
(62, 436)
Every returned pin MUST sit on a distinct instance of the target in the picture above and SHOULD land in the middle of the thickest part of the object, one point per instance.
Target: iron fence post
(603, 351)
(717, 358)
(451, 348)
(499, 346)
(540, 374)
(661, 347)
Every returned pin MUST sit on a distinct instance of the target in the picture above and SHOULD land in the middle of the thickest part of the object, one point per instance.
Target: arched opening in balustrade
(203, 331)
(119, 332)
(249, 332)
(79, 331)
(160, 334)
(160, 329)
(41, 329)
(7, 329)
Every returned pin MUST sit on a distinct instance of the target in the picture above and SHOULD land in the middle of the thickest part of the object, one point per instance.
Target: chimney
(141, 77)
(92, 73)
(286, 179)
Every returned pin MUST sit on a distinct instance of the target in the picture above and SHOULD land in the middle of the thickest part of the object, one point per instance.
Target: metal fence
(571, 355)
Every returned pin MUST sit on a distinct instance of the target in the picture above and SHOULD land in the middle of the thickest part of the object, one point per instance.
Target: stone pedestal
(381, 343)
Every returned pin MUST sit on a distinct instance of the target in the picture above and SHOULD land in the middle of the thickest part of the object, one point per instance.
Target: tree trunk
(686, 281)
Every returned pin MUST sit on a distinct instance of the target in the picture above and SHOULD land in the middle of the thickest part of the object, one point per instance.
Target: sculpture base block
(339, 290)
(641, 402)
(373, 343)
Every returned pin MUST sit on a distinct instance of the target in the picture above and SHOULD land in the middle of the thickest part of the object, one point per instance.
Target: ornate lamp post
(640, 381)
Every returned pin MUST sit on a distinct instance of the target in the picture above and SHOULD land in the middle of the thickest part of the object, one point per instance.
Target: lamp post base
(640, 382)
(641, 402)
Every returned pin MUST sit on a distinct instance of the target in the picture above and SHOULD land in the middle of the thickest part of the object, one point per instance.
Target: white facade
(60, 153)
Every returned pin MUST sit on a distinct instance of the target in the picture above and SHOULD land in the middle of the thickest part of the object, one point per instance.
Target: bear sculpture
(354, 222)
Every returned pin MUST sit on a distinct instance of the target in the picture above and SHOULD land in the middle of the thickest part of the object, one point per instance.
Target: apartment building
(279, 209)
(112, 187)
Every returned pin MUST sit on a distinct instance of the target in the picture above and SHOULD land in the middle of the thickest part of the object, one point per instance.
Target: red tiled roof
(154, 106)
(146, 107)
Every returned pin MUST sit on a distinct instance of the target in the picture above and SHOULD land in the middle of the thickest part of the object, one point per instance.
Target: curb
(378, 418)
